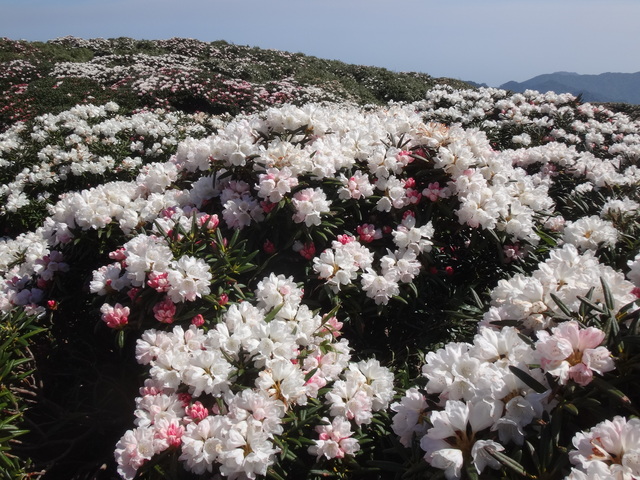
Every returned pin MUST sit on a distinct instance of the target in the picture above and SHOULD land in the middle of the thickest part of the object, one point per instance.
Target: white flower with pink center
(189, 278)
(612, 446)
(276, 183)
(357, 186)
(334, 439)
(573, 353)
(310, 204)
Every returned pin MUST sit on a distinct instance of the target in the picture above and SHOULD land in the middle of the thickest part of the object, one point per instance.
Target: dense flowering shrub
(83, 147)
(229, 398)
(443, 287)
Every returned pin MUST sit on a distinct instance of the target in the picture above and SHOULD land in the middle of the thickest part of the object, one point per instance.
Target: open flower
(335, 439)
(611, 447)
(573, 353)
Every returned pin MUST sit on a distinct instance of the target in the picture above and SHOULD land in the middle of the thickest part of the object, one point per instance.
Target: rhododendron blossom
(611, 448)
(573, 353)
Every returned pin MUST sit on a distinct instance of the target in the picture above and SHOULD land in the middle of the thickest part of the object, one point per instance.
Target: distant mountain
(606, 87)
(476, 84)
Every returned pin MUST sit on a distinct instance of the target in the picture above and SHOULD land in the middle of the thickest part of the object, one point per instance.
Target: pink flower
(434, 191)
(133, 293)
(197, 411)
(223, 300)
(158, 281)
(169, 433)
(413, 196)
(118, 255)
(269, 247)
(344, 239)
(571, 352)
(116, 316)
(308, 251)
(368, 233)
(267, 206)
(404, 157)
(210, 222)
(334, 439)
(164, 311)
(198, 320)
(332, 326)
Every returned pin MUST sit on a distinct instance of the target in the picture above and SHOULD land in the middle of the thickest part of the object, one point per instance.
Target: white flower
(410, 416)
(208, 372)
(283, 381)
(240, 212)
(482, 458)
(450, 434)
(275, 184)
(310, 204)
(203, 442)
(334, 439)
(590, 233)
(189, 278)
(613, 445)
(133, 450)
(380, 287)
(247, 451)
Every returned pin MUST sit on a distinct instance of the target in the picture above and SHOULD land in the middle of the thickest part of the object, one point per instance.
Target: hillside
(185, 75)
(606, 87)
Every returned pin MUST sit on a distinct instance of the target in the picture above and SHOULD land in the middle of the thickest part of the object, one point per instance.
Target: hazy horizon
(490, 42)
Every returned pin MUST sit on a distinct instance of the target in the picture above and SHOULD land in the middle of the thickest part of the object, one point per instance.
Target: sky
(485, 41)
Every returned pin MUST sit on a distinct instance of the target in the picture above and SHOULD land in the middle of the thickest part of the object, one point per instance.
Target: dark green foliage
(17, 388)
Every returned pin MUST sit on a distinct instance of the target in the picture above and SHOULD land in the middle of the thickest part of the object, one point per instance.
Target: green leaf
(507, 461)
(561, 305)
(571, 408)
(613, 392)
(528, 379)
(272, 314)
(608, 296)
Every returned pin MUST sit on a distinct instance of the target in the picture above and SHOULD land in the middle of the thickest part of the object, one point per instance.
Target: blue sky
(491, 41)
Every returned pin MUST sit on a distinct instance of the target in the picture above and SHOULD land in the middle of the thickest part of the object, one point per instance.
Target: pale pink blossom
(115, 316)
(612, 447)
(367, 233)
(573, 353)
(334, 439)
(164, 311)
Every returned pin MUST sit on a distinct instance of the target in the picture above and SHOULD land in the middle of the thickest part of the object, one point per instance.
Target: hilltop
(186, 75)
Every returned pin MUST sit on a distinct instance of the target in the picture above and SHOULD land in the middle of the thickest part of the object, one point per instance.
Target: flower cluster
(87, 144)
(610, 449)
(564, 277)
(482, 396)
(482, 403)
(222, 398)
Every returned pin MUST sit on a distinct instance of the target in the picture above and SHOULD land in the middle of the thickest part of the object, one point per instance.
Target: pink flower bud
(116, 316)
(164, 311)
(268, 247)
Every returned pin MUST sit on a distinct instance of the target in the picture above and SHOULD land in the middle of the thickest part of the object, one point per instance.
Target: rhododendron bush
(445, 288)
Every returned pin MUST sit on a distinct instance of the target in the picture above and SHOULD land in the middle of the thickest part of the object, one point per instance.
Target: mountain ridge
(603, 87)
